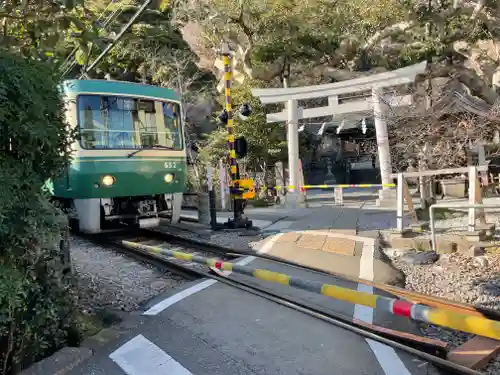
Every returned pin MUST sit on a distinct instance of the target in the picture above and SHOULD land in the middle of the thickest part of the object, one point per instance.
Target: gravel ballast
(461, 278)
(107, 280)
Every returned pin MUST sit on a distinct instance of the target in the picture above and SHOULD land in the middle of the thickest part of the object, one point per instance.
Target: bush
(35, 304)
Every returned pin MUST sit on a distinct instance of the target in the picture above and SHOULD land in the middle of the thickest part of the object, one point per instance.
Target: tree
(42, 29)
(266, 142)
(342, 40)
(444, 134)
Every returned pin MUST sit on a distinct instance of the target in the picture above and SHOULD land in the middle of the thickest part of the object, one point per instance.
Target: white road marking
(386, 356)
(167, 302)
(162, 305)
(140, 356)
(269, 243)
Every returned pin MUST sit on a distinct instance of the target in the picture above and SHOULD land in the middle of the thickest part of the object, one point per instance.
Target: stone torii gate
(378, 103)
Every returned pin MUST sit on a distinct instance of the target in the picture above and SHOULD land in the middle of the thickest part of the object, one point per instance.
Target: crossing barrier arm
(467, 323)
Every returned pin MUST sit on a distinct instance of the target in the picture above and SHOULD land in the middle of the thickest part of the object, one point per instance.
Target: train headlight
(108, 180)
(169, 177)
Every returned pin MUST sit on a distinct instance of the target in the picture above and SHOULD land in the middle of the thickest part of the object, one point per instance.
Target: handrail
(436, 172)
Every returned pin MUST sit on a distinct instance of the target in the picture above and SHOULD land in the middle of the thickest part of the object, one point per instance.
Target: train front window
(112, 122)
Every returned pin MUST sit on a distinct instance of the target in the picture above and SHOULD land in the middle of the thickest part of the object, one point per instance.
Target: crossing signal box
(241, 147)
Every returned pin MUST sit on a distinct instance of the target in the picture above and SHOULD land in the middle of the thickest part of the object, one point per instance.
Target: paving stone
(445, 246)
(337, 263)
(463, 244)
(489, 228)
(476, 236)
(289, 237)
(311, 241)
(351, 232)
(401, 242)
(339, 246)
(422, 244)
(476, 250)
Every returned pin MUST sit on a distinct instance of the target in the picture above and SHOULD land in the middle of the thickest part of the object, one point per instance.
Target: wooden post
(403, 195)
(424, 180)
(478, 198)
(409, 202)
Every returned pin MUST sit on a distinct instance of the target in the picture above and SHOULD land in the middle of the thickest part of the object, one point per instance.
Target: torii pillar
(294, 193)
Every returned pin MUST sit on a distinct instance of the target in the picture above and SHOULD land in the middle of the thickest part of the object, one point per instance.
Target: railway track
(425, 350)
(431, 301)
(189, 270)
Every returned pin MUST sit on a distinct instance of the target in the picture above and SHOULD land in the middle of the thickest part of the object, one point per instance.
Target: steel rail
(294, 303)
(413, 296)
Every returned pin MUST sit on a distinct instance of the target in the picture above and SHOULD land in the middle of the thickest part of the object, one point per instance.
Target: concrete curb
(68, 358)
(61, 362)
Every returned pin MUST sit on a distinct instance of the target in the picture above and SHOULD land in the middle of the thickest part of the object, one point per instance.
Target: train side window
(147, 122)
(172, 118)
(90, 120)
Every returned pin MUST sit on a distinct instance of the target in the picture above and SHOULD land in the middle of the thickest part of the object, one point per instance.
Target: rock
(418, 258)
(480, 261)
(392, 253)
(402, 243)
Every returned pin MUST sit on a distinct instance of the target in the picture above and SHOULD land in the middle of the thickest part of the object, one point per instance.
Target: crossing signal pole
(237, 147)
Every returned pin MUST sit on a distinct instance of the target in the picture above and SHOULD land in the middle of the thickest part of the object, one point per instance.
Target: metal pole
(222, 181)
(211, 197)
(235, 193)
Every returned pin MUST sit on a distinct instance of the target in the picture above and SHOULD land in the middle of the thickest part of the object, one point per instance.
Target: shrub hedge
(36, 309)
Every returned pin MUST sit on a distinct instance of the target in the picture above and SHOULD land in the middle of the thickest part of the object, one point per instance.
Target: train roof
(100, 86)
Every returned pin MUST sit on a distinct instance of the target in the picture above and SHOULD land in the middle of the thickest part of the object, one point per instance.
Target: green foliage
(35, 308)
(31, 112)
(40, 29)
(266, 142)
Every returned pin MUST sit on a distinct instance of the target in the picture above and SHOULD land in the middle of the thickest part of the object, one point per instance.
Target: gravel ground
(223, 238)
(107, 280)
(461, 278)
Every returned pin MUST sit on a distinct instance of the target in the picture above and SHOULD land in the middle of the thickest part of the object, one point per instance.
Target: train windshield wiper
(149, 148)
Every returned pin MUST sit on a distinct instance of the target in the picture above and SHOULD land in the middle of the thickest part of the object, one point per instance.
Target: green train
(129, 161)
